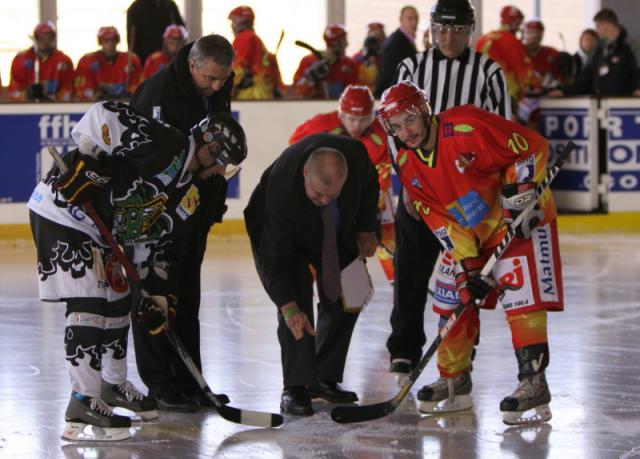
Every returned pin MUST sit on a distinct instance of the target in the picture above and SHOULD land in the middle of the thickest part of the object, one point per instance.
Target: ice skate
(127, 396)
(400, 370)
(90, 419)
(446, 395)
(529, 403)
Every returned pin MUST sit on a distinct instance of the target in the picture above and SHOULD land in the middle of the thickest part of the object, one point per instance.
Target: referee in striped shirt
(452, 74)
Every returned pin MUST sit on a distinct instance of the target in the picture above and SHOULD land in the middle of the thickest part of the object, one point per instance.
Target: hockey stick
(349, 414)
(237, 415)
(307, 46)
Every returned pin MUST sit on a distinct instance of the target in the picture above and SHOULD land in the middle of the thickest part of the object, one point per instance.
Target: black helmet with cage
(227, 133)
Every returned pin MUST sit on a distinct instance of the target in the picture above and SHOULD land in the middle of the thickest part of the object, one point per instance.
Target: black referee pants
(416, 253)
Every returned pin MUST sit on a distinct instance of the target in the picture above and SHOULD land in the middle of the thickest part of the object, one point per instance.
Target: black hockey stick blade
(230, 413)
(350, 414)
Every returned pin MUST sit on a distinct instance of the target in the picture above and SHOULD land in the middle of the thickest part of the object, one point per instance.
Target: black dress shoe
(332, 392)
(295, 400)
(176, 402)
(204, 402)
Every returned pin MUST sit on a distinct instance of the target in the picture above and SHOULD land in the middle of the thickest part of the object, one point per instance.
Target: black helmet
(453, 12)
(227, 132)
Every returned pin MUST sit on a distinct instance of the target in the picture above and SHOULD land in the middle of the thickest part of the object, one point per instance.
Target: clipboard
(357, 288)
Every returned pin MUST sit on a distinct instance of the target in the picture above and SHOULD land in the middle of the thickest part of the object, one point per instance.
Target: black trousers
(158, 364)
(323, 356)
(416, 253)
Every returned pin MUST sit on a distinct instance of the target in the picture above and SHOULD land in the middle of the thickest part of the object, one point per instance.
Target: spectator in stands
(613, 70)
(368, 58)
(147, 21)
(107, 73)
(174, 38)
(254, 77)
(41, 72)
(587, 45)
(399, 45)
(327, 75)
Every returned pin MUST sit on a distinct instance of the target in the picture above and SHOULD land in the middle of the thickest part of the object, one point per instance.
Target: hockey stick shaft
(253, 418)
(308, 47)
(350, 414)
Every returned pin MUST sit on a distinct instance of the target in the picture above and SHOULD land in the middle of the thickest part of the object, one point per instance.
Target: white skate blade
(78, 431)
(459, 403)
(540, 413)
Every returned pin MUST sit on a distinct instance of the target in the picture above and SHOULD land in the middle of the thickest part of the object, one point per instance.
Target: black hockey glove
(472, 287)
(318, 71)
(514, 199)
(36, 92)
(246, 81)
(156, 313)
(84, 177)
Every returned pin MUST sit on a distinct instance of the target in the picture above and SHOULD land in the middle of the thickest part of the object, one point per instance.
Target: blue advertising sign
(624, 149)
(24, 139)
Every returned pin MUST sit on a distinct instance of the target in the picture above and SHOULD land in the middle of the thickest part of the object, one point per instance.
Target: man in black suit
(322, 178)
(399, 45)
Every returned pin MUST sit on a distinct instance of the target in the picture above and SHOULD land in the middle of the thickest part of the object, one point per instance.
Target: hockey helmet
(511, 16)
(175, 31)
(242, 12)
(534, 24)
(222, 129)
(453, 12)
(403, 97)
(45, 27)
(375, 26)
(334, 33)
(356, 100)
(108, 33)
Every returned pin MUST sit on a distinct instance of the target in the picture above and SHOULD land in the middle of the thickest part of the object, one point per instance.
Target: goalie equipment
(514, 198)
(222, 129)
(356, 100)
(90, 419)
(446, 395)
(127, 396)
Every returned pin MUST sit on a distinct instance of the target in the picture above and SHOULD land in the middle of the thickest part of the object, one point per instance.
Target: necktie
(330, 264)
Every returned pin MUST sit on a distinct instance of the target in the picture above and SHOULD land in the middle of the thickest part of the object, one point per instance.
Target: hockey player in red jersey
(355, 118)
(328, 76)
(503, 46)
(173, 38)
(107, 73)
(255, 71)
(546, 73)
(368, 58)
(469, 174)
(41, 72)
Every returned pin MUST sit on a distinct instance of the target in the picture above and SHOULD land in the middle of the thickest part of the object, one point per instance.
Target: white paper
(357, 288)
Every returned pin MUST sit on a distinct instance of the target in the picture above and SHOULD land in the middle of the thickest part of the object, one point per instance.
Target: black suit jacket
(395, 48)
(284, 225)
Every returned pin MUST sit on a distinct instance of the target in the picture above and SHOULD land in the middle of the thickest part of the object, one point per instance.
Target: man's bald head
(325, 172)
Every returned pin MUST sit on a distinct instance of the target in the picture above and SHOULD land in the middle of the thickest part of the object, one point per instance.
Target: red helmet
(334, 33)
(510, 15)
(45, 27)
(375, 26)
(534, 24)
(356, 100)
(175, 31)
(242, 12)
(402, 97)
(108, 33)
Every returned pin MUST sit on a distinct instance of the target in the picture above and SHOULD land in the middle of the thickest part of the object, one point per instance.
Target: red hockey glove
(83, 178)
(514, 199)
(156, 313)
(472, 287)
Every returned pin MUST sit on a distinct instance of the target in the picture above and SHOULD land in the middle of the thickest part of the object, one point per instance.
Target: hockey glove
(36, 92)
(317, 71)
(514, 199)
(246, 81)
(156, 313)
(472, 287)
(83, 178)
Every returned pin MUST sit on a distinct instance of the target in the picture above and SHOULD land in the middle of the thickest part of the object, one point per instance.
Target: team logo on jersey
(106, 138)
(545, 268)
(140, 214)
(114, 276)
(525, 169)
(465, 160)
(189, 203)
(514, 281)
(416, 183)
(443, 235)
(463, 129)
(468, 210)
(445, 293)
(167, 175)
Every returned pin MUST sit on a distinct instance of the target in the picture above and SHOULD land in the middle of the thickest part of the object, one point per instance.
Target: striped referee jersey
(471, 78)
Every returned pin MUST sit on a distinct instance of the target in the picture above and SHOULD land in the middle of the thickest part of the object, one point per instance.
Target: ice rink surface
(594, 374)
